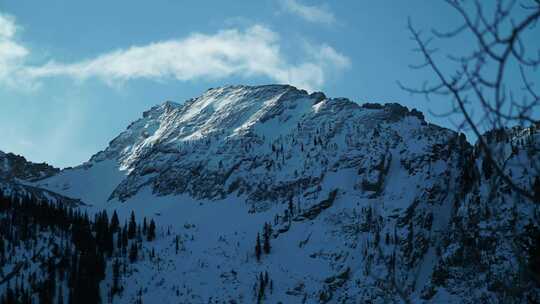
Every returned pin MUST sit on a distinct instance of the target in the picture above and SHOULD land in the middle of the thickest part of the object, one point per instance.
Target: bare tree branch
(481, 78)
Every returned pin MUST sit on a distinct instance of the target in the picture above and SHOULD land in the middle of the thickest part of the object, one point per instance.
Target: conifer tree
(487, 168)
(133, 253)
(266, 238)
(261, 289)
(145, 226)
(132, 227)
(151, 234)
(536, 190)
(115, 223)
(116, 277)
(258, 248)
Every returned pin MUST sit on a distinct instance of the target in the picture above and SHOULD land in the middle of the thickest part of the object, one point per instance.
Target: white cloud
(327, 55)
(254, 51)
(12, 54)
(7, 26)
(310, 13)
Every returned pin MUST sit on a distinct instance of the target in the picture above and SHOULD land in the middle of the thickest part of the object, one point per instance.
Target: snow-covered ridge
(228, 112)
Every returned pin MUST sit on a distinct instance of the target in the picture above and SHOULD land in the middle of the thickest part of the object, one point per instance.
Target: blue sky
(73, 74)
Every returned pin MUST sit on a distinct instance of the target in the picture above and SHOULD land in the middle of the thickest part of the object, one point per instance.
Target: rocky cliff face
(17, 175)
(365, 203)
(17, 167)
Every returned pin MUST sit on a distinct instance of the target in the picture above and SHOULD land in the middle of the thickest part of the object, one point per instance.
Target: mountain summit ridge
(261, 99)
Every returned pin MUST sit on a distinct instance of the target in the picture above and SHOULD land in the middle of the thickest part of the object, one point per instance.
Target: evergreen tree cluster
(81, 250)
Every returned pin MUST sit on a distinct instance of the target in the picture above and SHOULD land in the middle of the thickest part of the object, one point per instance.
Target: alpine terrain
(269, 194)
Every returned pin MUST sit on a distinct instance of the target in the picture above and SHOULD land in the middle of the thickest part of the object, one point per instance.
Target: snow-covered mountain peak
(358, 193)
(223, 112)
(266, 111)
(244, 136)
(158, 110)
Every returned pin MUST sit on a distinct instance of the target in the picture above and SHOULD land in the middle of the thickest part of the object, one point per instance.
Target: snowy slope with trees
(271, 194)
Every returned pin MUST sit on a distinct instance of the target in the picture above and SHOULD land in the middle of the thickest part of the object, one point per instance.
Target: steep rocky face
(485, 244)
(15, 166)
(375, 202)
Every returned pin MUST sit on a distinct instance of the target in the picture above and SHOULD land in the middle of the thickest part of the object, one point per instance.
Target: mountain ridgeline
(271, 194)
(15, 166)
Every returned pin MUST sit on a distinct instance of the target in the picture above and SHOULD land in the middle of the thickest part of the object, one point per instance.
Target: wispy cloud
(12, 53)
(254, 51)
(311, 13)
